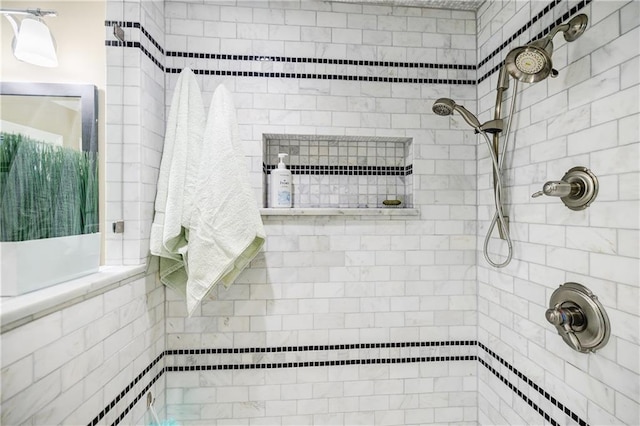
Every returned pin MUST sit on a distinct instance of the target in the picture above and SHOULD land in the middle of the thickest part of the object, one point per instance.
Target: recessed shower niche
(343, 171)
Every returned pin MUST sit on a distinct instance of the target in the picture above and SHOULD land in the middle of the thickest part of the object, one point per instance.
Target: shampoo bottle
(280, 185)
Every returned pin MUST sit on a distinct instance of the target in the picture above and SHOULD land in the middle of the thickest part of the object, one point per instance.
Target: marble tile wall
(587, 116)
(335, 279)
(340, 384)
(352, 282)
(86, 363)
(89, 362)
(135, 127)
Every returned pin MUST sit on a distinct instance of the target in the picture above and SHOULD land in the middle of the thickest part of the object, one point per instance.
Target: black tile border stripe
(517, 391)
(303, 364)
(136, 44)
(343, 170)
(295, 59)
(289, 59)
(537, 388)
(137, 398)
(517, 34)
(332, 363)
(129, 24)
(541, 34)
(344, 77)
(128, 388)
(307, 348)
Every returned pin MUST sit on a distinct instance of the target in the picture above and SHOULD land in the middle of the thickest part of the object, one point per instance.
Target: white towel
(227, 230)
(177, 181)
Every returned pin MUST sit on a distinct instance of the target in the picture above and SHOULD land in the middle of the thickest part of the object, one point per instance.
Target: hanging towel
(227, 230)
(177, 181)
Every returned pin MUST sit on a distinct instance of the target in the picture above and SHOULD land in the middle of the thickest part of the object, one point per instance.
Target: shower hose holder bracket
(579, 317)
(577, 189)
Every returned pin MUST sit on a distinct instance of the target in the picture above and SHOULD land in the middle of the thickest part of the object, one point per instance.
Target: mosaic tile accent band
(291, 59)
(344, 170)
(212, 359)
(415, 71)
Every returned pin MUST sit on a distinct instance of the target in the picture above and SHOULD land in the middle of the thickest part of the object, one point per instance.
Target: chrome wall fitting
(577, 189)
(575, 27)
(579, 317)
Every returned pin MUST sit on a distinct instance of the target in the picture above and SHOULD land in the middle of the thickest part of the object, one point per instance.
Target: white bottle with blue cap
(280, 185)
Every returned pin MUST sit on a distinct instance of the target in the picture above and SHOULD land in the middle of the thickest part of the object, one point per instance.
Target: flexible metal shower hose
(497, 196)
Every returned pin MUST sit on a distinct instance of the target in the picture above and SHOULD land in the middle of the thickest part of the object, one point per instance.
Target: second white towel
(227, 230)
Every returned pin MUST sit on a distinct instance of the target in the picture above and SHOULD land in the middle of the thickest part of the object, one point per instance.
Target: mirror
(51, 112)
(48, 161)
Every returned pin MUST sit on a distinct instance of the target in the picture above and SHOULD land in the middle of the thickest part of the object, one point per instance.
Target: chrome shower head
(532, 63)
(443, 106)
(446, 106)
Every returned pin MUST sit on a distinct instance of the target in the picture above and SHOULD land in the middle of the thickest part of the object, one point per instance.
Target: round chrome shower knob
(571, 319)
(579, 317)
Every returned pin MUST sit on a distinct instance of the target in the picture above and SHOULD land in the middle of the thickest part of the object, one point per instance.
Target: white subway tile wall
(339, 285)
(338, 280)
(72, 366)
(86, 364)
(576, 119)
(135, 129)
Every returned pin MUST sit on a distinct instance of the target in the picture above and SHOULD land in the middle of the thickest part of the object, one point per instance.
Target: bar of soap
(391, 202)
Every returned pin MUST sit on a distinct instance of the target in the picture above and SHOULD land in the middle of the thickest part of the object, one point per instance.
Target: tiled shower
(386, 317)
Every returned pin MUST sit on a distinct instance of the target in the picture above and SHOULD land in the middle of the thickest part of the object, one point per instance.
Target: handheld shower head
(532, 63)
(443, 106)
(446, 106)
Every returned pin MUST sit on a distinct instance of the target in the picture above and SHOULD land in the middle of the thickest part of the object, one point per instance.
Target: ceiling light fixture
(33, 42)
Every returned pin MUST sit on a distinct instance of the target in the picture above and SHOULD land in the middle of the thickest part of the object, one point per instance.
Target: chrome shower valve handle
(577, 189)
(579, 318)
(558, 188)
(571, 319)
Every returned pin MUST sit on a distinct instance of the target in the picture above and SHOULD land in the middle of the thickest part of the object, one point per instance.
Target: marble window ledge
(19, 310)
(340, 212)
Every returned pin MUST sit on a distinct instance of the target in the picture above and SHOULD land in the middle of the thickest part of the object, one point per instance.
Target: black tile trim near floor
(138, 397)
(126, 390)
(332, 363)
(530, 382)
(307, 348)
(359, 361)
(517, 391)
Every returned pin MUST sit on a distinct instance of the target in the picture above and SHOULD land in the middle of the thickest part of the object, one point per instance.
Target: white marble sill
(19, 310)
(391, 211)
